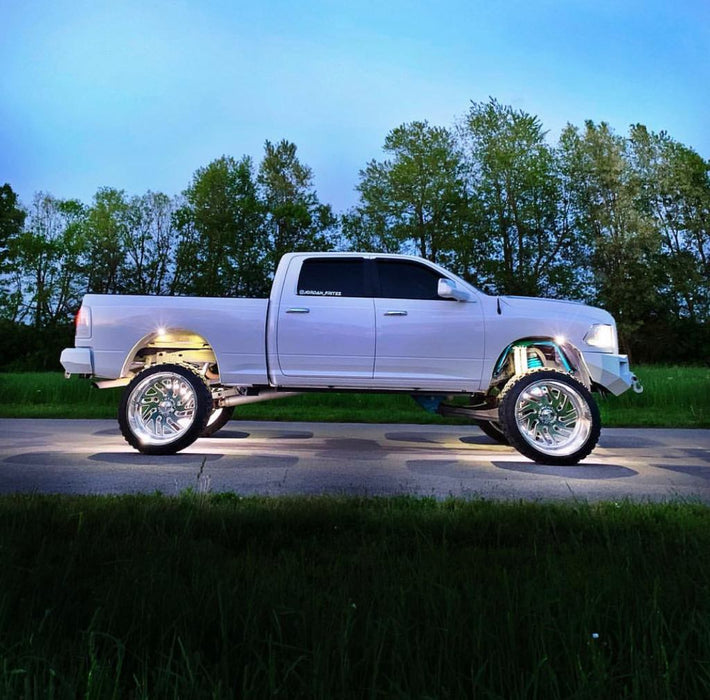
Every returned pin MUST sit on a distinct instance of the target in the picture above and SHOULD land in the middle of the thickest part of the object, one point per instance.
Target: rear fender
(175, 345)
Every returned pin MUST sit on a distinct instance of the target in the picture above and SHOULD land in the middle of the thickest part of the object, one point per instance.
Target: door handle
(395, 313)
(298, 310)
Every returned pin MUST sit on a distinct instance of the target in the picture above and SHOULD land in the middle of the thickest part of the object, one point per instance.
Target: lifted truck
(363, 323)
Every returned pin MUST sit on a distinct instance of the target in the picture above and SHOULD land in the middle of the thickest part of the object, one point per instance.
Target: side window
(401, 279)
(332, 277)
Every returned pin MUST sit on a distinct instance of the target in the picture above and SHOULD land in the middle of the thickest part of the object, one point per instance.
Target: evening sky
(137, 94)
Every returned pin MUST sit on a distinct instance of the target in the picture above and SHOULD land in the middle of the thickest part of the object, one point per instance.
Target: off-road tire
(493, 430)
(550, 417)
(217, 419)
(164, 409)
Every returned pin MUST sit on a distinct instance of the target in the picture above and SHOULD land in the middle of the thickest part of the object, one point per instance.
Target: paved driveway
(249, 457)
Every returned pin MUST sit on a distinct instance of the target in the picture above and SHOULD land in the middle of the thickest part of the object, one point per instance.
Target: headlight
(602, 336)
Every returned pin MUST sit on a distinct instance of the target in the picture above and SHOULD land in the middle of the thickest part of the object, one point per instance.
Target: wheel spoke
(553, 417)
(161, 408)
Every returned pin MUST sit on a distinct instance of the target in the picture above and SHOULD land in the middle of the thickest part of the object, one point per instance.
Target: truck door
(424, 341)
(326, 322)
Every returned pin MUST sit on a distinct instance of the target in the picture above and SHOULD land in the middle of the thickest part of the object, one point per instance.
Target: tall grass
(219, 596)
(673, 397)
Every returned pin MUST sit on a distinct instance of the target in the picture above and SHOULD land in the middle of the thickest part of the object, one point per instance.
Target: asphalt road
(249, 457)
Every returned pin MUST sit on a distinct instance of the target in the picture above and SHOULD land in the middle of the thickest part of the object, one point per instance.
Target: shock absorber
(534, 360)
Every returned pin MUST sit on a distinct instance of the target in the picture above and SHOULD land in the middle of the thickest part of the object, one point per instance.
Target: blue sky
(139, 94)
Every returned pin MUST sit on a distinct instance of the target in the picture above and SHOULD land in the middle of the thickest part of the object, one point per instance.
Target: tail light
(82, 322)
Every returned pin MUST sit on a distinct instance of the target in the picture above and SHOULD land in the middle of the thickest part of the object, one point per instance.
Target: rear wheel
(164, 409)
(549, 417)
(217, 420)
(493, 430)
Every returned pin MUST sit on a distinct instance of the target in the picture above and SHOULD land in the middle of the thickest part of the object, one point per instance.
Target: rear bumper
(77, 361)
(610, 371)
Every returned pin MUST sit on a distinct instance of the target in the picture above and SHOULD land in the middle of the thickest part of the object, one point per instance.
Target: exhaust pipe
(241, 399)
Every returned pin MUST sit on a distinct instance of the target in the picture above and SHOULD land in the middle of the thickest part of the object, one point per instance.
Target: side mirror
(447, 289)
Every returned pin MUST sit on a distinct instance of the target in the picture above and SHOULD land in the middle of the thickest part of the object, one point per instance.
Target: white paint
(330, 341)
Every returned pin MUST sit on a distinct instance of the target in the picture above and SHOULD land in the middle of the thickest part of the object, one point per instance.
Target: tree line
(618, 221)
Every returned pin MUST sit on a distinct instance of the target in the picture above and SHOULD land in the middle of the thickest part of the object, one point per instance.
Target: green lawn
(673, 397)
(224, 597)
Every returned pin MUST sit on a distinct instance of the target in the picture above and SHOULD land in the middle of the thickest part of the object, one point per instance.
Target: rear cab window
(333, 277)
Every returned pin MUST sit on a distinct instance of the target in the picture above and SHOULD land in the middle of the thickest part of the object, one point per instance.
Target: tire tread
(506, 412)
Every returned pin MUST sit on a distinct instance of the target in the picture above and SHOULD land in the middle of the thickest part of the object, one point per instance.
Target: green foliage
(625, 246)
(221, 596)
(641, 204)
(48, 257)
(295, 218)
(26, 348)
(130, 243)
(675, 194)
(106, 230)
(223, 243)
(150, 244)
(235, 225)
(416, 201)
(12, 219)
(516, 177)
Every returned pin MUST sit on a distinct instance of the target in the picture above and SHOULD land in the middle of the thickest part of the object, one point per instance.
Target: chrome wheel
(553, 417)
(549, 416)
(161, 408)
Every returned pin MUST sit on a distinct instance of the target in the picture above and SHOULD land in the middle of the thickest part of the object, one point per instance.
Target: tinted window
(339, 277)
(400, 279)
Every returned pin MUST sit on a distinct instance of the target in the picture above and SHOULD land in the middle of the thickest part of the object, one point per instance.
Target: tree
(516, 175)
(675, 184)
(625, 245)
(12, 219)
(295, 218)
(415, 201)
(107, 229)
(222, 249)
(150, 243)
(49, 255)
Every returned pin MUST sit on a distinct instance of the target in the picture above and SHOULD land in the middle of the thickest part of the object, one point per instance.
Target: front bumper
(610, 371)
(77, 361)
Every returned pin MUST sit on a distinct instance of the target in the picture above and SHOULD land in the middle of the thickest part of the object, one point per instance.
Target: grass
(673, 397)
(215, 596)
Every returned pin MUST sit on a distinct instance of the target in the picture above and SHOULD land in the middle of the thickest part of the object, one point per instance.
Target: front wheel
(549, 417)
(164, 409)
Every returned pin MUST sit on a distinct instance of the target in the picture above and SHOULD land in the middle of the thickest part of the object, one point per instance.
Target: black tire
(164, 409)
(493, 430)
(217, 419)
(549, 417)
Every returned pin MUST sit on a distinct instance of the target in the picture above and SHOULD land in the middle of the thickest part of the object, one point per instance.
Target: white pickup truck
(362, 323)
